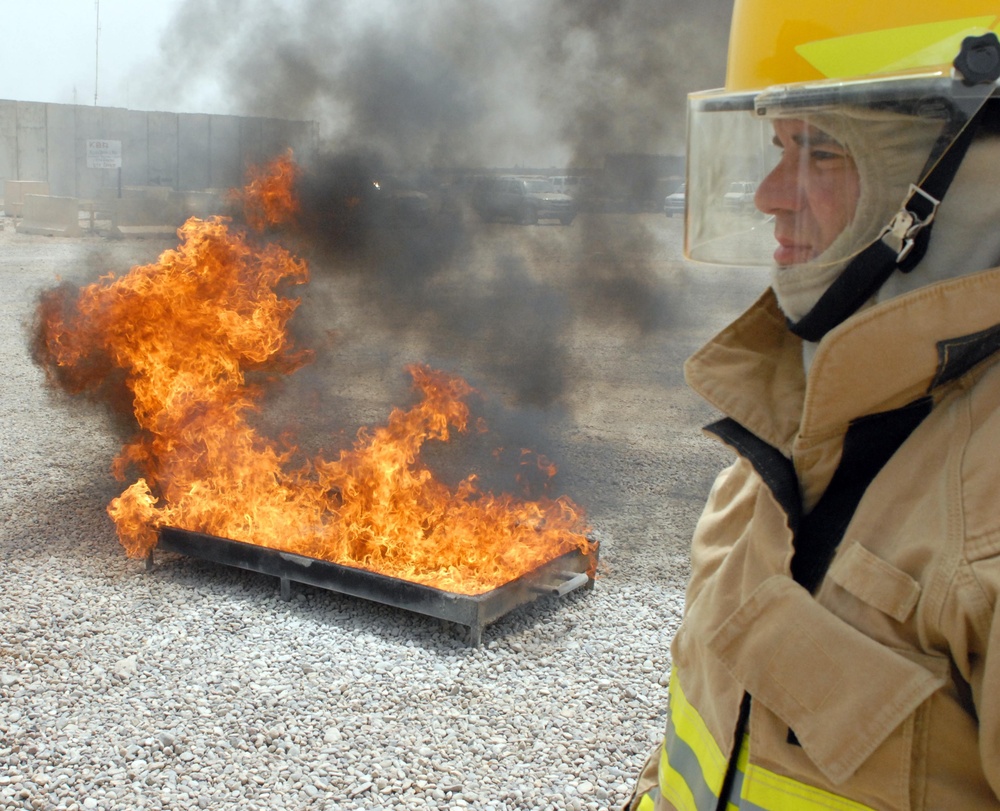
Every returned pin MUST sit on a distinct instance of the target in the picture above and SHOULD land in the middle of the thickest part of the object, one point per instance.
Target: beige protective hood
(890, 151)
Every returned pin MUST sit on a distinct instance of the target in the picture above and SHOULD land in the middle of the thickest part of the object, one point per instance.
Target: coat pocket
(841, 692)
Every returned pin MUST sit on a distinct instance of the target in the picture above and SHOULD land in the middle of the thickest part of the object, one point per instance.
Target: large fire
(185, 332)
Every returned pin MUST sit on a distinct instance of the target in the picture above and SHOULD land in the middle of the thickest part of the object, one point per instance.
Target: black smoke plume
(434, 92)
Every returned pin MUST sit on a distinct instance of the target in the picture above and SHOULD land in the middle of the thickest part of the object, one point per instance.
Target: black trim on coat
(956, 356)
(870, 443)
(771, 465)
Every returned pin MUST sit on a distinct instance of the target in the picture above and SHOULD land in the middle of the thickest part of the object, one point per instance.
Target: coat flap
(876, 582)
(841, 692)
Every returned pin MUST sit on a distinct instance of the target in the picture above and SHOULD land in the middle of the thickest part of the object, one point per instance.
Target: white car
(675, 203)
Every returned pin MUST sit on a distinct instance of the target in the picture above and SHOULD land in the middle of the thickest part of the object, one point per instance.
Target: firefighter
(835, 650)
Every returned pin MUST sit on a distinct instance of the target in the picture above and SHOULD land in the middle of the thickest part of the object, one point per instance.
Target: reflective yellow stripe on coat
(647, 803)
(693, 768)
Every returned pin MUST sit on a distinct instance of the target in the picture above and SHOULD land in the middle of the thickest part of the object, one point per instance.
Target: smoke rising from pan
(531, 83)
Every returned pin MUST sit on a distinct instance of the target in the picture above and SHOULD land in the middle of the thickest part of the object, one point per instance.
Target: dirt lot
(574, 338)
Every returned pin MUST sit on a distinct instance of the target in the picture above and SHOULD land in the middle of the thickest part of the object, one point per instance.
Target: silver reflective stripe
(737, 788)
(746, 805)
(684, 761)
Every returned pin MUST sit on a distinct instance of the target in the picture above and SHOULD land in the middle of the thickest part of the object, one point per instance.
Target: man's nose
(779, 191)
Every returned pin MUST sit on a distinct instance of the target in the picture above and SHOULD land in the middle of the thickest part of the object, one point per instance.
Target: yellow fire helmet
(846, 109)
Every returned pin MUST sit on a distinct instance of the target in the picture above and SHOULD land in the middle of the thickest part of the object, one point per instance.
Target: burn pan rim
(557, 577)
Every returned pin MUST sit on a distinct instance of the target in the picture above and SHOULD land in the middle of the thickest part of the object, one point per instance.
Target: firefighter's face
(812, 193)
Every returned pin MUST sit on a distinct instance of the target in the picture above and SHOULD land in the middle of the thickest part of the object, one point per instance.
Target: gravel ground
(191, 685)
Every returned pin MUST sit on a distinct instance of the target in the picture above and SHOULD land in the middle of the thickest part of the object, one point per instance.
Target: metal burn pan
(558, 577)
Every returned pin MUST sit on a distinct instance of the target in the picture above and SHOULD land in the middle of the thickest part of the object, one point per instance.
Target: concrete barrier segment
(50, 216)
(14, 192)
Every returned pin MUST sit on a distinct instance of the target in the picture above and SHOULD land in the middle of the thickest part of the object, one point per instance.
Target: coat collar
(882, 358)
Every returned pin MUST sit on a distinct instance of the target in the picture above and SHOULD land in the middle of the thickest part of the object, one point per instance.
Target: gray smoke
(467, 84)
(458, 82)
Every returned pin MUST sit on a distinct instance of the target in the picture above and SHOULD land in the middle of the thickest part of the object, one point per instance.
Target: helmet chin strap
(900, 246)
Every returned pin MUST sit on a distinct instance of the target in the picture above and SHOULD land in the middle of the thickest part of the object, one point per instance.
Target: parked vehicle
(573, 185)
(740, 196)
(675, 203)
(524, 200)
(401, 203)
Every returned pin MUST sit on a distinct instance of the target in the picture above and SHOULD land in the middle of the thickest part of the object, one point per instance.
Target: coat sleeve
(726, 515)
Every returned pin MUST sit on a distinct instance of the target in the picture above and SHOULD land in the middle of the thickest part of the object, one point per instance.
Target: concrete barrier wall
(194, 134)
(179, 151)
(226, 157)
(161, 141)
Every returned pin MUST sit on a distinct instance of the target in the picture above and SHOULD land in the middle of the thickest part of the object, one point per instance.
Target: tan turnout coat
(888, 677)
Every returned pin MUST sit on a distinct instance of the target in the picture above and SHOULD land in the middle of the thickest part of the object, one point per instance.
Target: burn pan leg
(286, 588)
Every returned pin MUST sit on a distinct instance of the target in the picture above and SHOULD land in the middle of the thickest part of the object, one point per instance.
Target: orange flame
(186, 331)
(268, 198)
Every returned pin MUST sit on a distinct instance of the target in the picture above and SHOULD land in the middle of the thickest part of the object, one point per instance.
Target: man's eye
(824, 155)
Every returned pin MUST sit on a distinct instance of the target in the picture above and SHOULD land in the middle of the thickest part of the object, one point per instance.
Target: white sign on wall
(104, 154)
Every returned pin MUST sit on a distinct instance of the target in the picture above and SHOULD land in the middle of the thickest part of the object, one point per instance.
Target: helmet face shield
(728, 151)
(812, 173)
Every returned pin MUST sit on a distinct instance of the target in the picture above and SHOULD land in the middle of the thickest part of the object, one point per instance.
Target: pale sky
(51, 52)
